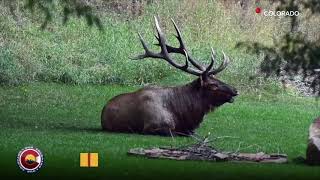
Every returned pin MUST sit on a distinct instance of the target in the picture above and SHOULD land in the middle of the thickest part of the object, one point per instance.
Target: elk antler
(167, 49)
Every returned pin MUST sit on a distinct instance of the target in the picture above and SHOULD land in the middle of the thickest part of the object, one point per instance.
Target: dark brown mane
(189, 104)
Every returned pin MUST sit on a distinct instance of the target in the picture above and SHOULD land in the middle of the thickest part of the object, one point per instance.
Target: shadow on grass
(79, 129)
(95, 130)
(67, 128)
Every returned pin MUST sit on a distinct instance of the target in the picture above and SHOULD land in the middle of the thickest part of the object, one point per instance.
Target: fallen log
(204, 152)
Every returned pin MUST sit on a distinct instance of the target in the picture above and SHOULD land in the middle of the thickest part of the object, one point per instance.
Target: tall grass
(75, 53)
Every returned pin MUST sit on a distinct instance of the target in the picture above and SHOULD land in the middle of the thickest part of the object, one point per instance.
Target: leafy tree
(293, 54)
(77, 8)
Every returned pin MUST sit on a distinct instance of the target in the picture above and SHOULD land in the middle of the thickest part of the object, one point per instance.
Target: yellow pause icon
(89, 160)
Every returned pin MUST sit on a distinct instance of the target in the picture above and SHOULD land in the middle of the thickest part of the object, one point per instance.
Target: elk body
(169, 110)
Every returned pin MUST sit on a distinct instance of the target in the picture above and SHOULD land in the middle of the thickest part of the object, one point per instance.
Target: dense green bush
(75, 53)
(7, 67)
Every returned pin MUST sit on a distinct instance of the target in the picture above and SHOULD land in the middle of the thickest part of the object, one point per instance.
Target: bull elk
(169, 110)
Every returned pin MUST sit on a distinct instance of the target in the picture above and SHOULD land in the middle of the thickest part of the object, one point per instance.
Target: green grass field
(55, 81)
(64, 120)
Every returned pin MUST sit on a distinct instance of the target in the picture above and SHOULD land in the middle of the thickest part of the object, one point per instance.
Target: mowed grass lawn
(63, 121)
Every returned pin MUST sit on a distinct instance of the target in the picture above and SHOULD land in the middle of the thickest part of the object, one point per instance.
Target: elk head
(212, 88)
